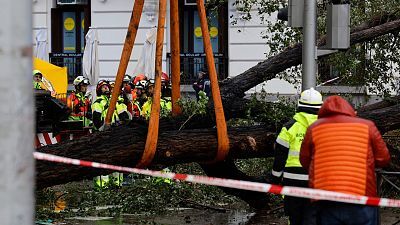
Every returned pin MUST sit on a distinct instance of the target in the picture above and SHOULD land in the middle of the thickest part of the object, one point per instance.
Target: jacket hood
(336, 105)
(305, 118)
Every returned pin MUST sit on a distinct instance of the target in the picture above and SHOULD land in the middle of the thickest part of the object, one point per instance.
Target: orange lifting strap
(175, 57)
(125, 56)
(222, 132)
(152, 134)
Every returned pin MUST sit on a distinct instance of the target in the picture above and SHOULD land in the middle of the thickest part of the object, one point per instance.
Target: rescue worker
(37, 80)
(202, 84)
(112, 84)
(127, 79)
(140, 82)
(79, 103)
(341, 151)
(132, 105)
(139, 94)
(100, 107)
(165, 106)
(120, 115)
(287, 164)
(166, 92)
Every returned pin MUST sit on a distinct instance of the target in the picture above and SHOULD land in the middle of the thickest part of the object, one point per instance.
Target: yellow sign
(83, 24)
(213, 32)
(69, 48)
(57, 76)
(69, 24)
(197, 32)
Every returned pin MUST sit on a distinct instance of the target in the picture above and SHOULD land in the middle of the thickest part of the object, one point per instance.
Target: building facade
(237, 46)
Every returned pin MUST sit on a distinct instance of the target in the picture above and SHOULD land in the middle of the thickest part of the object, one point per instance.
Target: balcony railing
(73, 62)
(192, 63)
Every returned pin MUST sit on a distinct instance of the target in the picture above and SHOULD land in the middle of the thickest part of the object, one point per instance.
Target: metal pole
(309, 59)
(125, 56)
(16, 114)
(175, 57)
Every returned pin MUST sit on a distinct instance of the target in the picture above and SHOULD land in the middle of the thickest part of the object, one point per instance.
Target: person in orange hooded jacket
(340, 152)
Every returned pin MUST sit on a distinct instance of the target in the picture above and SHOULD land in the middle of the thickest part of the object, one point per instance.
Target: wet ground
(189, 216)
(389, 216)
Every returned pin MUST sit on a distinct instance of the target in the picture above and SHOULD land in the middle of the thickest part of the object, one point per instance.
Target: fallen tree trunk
(124, 146)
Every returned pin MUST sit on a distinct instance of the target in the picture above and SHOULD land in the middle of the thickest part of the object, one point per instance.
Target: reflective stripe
(295, 176)
(97, 110)
(294, 153)
(282, 142)
(277, 174)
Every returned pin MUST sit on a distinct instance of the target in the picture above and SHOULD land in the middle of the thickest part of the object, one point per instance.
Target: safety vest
(78, 103)
(293, 136)
(134, 108)
(39, 85)
(165, 108)
(101, 106)
(134, 94)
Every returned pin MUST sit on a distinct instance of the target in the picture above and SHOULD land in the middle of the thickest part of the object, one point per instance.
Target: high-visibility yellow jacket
(287, 162)
(165, 108)
(100, 108)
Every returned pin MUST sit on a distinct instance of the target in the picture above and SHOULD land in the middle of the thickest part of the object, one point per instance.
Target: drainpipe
(16, 114)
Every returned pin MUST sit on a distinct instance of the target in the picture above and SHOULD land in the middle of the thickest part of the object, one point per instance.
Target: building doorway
(191, 40)
(69, 24)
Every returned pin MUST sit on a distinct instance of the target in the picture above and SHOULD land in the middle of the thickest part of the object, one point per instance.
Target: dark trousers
(300, 211)
(336, 213)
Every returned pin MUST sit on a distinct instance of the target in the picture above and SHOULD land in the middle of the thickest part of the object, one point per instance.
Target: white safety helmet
(142, 84)
(310, 98)
(127, 78)
(81, 80)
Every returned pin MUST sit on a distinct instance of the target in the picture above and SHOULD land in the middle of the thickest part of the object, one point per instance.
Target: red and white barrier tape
(238, 184)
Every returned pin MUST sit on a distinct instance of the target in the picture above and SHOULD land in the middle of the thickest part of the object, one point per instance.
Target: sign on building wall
(72, 2)
(198, 36)
(69, 32)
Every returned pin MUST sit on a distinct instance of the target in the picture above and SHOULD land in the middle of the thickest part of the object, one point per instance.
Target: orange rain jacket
(341, 151)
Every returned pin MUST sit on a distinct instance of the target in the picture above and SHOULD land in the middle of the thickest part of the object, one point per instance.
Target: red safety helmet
(164, 78)
(100, 84)
(139, 78)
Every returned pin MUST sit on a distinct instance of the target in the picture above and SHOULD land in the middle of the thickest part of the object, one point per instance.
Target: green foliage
(256, 166)
(373, 64)
(192, 107)
(260, 110)
(275, 113)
